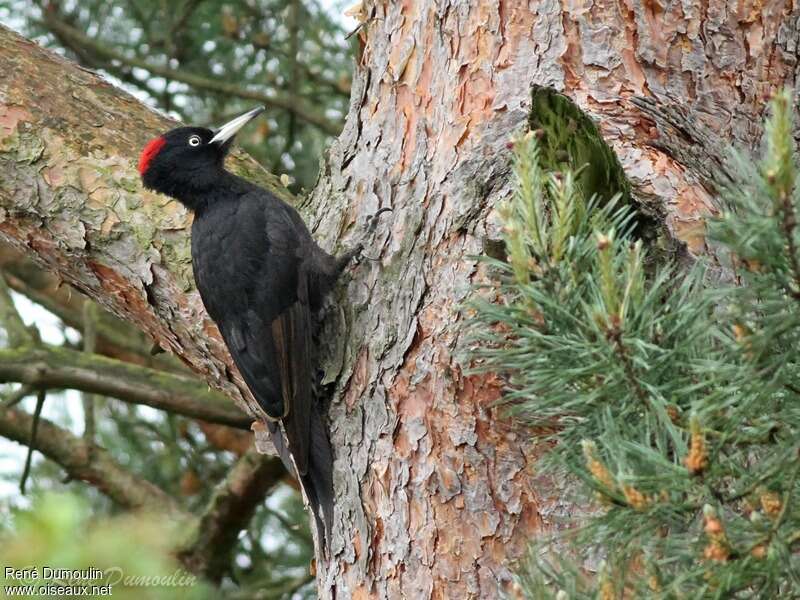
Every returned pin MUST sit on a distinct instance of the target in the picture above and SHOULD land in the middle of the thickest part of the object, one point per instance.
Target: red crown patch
(149, 152)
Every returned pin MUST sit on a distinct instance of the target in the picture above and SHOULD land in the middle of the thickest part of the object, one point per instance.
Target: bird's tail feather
(318, 480)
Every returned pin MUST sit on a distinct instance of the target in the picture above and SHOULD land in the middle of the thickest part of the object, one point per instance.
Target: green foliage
(132, 552)
(673, 403)
(272, 555)
(569, 140)
(281, 569)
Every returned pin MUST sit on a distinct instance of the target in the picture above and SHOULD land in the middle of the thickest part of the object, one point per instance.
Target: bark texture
(436, 494)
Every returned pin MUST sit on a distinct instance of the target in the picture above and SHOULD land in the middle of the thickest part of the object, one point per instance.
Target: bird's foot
(357, 253)
(373, 220)
(365, 257)
(342, 260)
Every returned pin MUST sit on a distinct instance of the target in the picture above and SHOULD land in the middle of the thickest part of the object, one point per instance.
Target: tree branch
(62, 368)
(89, 345)
(16, 331)
(186, 12)
(215, 532)
(91, 61)
(16, 396)
(37, 413)
(288, 102)
(115, 338)
(97, 468)
(229, 511)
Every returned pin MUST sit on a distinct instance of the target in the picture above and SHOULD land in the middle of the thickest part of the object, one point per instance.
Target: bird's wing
(291, 337)
(270, 340)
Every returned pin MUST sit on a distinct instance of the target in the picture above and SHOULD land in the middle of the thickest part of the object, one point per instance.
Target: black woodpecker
(261, 277)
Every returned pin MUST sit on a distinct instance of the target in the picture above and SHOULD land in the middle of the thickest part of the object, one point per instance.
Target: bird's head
(186, 162)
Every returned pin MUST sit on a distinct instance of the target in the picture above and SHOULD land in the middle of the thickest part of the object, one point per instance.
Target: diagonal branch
(288, 102)
(96, 468)
(89, 345)
(16, 396)
(94, 62)
(61, 368)
(37, 413)
(186, 12)
(229, 511)
(115, 338)
(139, 270)
(215, 532)
(17, 333)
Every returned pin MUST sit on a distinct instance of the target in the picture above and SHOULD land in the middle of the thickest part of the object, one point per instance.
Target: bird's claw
(355, 253)
(372, 223)
(358, 253)
(373, 220)
(369, 258)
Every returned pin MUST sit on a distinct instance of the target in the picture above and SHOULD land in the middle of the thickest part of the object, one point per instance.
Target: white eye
(195, 140)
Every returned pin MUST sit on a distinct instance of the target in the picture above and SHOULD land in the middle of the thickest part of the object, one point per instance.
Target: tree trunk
(436, 494)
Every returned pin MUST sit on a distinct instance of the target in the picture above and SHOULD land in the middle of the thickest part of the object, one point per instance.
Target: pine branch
(89, 344)
(90, 60)
(789, 223)
(229, 511)
(61, 368)
(287, 102)
(186, 12)
(16, 396)
(16, 331)
(587, 337)
(115, 338)
(97, 468)
(615, 336)
(37, 413)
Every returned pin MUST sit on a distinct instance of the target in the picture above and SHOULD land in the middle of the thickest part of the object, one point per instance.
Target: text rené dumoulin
(110, 576)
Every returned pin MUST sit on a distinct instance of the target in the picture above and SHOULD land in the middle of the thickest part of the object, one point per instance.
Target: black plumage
(261, 277)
